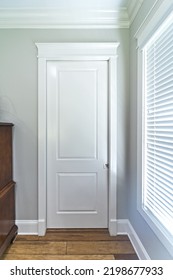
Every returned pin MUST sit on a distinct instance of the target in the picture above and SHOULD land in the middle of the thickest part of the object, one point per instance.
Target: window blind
(158, 127)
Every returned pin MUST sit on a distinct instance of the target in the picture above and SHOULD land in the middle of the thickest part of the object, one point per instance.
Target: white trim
(124, 227)
(113, 227)
(139, 127)
(27, 227)
(63, 18)
(42, 147)
(64, 51)
(136, 242)
(112, 153)
(74, 51)
(40, 16)
(158, 12)
(133, 7)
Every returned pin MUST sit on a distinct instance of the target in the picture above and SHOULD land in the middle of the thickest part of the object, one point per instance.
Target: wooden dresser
(8, 229)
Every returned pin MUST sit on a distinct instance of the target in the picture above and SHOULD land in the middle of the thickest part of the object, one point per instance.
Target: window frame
(142, 40)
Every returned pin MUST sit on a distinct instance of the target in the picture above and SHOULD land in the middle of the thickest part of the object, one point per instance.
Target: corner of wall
(124, 227)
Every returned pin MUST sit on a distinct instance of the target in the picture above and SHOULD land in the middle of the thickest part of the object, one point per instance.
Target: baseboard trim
(41, 227)
(124, 227)
(27, 227)
(113, 227)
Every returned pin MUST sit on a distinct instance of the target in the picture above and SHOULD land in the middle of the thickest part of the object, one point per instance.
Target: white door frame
(77, 51)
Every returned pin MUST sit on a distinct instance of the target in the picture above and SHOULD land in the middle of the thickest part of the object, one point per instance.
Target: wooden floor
(85, 244)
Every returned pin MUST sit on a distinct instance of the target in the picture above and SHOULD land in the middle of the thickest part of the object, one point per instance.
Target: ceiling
(68, 13)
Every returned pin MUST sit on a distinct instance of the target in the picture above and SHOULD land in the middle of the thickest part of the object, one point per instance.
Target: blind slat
(160, 176)
(160, 206)
(163, 201)
(161, 154)
(166, 187)
(161, 168)
(159, 94)
(157, 149)
(156, 101)
(160, 215)
(161, 159)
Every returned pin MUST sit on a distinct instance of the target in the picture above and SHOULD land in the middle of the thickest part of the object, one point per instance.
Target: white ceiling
(68, 13)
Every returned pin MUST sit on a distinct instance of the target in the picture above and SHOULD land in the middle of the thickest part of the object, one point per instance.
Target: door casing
(77, 51)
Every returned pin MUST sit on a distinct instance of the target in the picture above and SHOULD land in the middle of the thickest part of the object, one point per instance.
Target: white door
(77, 144)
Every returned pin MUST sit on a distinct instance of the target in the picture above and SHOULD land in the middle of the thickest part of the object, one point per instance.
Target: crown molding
(133, 7)
(63, 18)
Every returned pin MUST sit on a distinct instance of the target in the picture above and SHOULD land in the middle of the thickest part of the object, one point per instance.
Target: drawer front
(5, 155)
(7, 211)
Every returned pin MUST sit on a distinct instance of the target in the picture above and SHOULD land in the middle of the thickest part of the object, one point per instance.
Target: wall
(150, 241)
(18, 104)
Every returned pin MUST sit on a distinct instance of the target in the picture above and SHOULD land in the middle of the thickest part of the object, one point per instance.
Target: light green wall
(18, 104)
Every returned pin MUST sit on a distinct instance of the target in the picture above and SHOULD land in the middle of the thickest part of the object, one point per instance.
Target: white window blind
(158, 127)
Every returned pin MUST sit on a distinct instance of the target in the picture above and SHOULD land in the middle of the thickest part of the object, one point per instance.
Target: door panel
(80, 102)
(76, 192)
(77, 182)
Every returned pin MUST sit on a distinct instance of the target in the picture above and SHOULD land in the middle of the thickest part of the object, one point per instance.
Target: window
(156, 203)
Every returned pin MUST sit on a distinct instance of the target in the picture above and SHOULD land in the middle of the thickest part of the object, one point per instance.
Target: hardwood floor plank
(103, 247)
(80, 235)
(126, 257)
(57, 257)
(37, 248)
(27, 238)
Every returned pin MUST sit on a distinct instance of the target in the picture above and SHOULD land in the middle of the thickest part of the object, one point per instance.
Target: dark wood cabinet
(8, 229)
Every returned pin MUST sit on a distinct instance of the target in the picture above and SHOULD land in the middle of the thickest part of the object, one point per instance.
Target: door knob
(106, 166)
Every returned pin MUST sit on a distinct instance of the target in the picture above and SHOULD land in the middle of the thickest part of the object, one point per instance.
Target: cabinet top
(6, 124)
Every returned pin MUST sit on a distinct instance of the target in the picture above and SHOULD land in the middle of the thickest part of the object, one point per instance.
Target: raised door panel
(77, 139)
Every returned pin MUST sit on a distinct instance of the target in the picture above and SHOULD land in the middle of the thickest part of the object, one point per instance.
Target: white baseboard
(41, 227)
(122, 226)
(125, 227)
(27, 227)
(112, 227)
